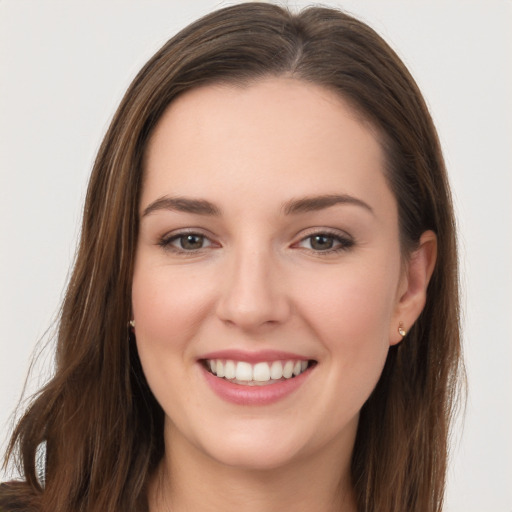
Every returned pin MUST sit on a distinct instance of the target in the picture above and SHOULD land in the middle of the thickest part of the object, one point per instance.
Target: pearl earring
(401, 330)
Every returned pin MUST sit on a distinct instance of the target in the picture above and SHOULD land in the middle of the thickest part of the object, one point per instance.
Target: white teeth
(261, 372)
(287, 369)
(276, 370)
(242, 371)
(230, 370)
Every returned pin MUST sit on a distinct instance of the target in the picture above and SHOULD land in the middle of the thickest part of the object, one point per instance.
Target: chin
(260, 445)
(251, 456)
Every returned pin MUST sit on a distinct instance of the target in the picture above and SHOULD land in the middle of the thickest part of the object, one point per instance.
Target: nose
(253, 292)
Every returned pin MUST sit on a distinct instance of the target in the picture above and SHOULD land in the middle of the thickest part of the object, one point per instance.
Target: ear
(412, 289)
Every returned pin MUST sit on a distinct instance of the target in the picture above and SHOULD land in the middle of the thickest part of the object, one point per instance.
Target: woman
(264, 311)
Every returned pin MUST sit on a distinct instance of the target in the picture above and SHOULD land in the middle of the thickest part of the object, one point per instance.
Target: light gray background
(63, 69)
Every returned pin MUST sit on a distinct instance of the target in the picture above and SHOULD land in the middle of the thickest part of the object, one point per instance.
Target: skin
(258, 282)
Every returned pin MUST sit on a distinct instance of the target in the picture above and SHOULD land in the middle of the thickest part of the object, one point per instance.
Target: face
(268, 274)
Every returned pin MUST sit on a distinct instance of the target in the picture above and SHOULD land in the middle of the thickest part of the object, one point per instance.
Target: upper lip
(254, 357)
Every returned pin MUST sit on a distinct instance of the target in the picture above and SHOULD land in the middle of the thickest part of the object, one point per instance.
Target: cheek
(350, 315)
(168, 306)
(358, 301)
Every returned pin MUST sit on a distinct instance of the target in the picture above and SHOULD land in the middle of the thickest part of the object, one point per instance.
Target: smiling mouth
(258, 374)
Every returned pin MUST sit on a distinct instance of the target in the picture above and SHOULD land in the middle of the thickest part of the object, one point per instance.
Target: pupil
(322, 242)
(191, 242)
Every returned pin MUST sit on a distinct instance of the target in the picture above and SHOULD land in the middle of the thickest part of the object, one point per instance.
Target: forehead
(277, 134)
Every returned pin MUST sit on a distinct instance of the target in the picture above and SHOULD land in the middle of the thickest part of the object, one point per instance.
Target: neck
(188, 479)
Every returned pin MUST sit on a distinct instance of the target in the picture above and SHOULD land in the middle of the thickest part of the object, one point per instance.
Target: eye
(326, 242)
(191, 242)
(186, 242)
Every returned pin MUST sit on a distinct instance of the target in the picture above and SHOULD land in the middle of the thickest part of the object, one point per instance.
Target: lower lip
(254, 395)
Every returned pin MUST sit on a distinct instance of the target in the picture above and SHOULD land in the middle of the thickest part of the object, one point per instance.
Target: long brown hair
(102, 425)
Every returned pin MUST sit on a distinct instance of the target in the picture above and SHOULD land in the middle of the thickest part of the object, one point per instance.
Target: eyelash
(166, 242)
(344, 242)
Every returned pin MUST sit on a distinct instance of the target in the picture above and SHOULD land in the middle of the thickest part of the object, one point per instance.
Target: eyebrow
(182, 204)
(294, 206)
(315, 203)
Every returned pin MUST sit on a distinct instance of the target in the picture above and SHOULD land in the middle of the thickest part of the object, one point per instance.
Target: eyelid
(345, 240)
(165, 241)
